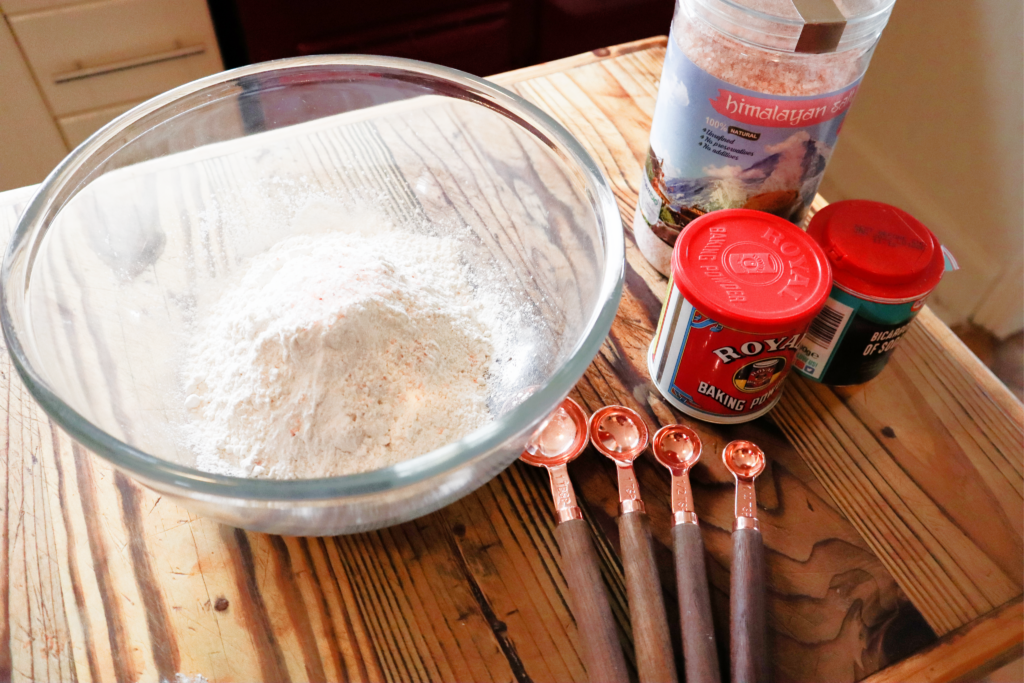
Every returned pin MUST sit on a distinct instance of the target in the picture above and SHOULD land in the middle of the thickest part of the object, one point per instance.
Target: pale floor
(1011, 673)
(1004, 358)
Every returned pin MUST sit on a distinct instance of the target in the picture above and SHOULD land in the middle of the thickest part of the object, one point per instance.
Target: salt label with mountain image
(715, 145)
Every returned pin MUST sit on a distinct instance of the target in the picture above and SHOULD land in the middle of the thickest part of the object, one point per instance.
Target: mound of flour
(338, 353)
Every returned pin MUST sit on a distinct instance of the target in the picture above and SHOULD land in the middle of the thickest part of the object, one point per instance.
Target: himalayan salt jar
(752, 96)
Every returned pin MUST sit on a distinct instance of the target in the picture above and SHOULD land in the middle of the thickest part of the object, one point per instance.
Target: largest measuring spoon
(560, 440)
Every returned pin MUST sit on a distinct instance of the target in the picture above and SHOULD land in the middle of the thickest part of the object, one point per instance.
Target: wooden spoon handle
(749, 647)
(699, 649)
(655, 661)
(602, 652)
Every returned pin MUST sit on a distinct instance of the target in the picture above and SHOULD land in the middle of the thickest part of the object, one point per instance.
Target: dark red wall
(479, 37)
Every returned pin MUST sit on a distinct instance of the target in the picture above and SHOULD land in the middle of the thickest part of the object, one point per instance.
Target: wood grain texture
(699, 650)
(748, 649)
(967, 654)
(889, 514)
(602, 653)
(655, 660)
(957, 557)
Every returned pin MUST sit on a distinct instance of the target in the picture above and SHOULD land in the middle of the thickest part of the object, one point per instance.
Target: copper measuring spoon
(558, 442)
(678, 448)
(749, 647)
(620, 434)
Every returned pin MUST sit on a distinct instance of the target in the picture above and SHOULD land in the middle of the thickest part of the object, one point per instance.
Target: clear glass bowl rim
(167, 475)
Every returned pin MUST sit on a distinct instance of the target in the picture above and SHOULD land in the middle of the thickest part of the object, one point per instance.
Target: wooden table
(891, 514)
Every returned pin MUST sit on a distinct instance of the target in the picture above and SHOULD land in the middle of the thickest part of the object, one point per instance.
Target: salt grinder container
(752, 96)
(745, 287)
(884, 264)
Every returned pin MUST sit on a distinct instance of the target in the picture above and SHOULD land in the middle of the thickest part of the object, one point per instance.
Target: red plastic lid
(878, 251)
(751, 271)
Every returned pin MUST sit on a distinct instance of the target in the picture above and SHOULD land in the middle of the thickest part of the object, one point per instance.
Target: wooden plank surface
(966, 654)
(891, 515)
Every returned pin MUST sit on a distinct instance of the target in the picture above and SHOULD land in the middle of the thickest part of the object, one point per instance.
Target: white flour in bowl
(338, 353)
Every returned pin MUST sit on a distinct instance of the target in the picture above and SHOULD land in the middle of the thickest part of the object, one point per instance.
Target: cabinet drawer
(100, 54)
(20, 6)
(30, 145)
(77, 127)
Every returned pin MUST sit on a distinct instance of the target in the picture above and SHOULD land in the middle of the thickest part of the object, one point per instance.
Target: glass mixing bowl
(147, 221)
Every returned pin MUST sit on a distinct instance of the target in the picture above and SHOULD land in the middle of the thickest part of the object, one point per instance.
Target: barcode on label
(815, 352)
(825, 326)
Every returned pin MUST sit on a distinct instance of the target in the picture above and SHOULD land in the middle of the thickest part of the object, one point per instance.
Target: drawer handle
(170, 55)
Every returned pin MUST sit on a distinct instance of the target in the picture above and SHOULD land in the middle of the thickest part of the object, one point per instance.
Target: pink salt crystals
(752, 97)
(768, 71)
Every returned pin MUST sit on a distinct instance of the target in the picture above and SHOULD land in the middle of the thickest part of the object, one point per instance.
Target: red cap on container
(878, 251)
(751, 271)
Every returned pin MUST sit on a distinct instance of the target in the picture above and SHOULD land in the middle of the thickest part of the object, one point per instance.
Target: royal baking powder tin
(884, 263)
(745, 286)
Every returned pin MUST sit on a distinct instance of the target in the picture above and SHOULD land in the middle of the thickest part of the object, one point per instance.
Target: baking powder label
(712, 371)
(717, 146)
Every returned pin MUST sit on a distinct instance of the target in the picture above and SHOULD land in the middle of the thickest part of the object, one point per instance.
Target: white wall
(938, 130)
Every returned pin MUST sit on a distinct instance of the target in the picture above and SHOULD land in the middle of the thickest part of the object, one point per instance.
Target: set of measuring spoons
(621, 434)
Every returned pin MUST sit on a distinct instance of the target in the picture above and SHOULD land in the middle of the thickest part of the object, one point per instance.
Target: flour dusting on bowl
(339, 353)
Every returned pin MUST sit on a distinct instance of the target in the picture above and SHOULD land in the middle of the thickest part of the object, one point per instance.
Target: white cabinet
(77, 127)
(90, 62)
(30, 143)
